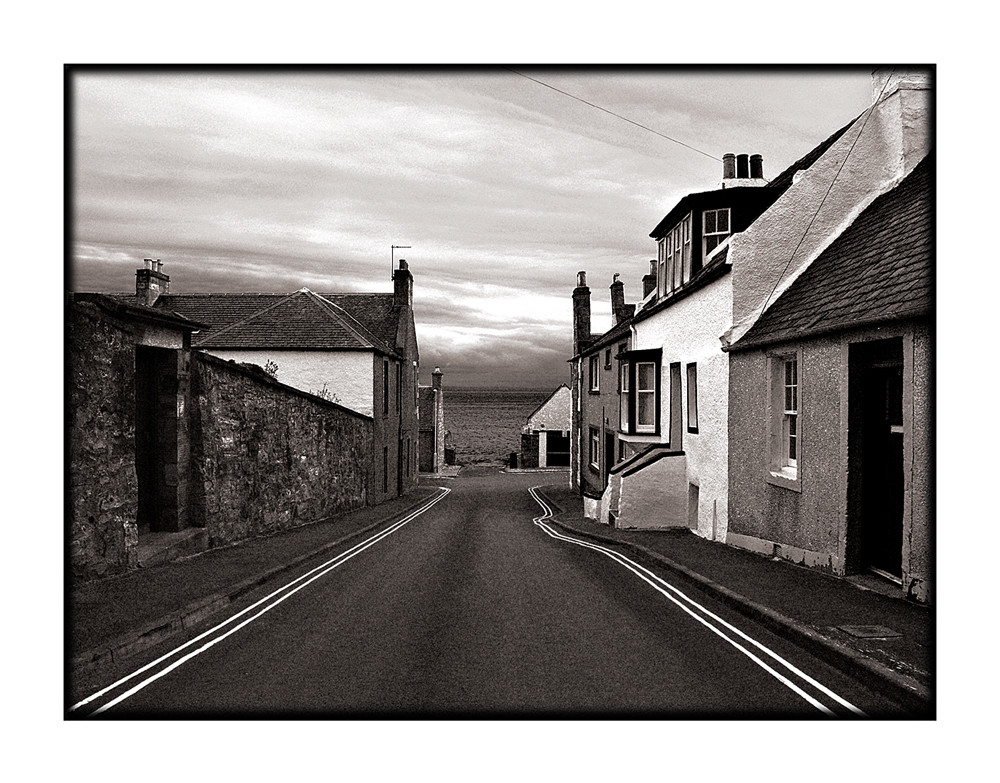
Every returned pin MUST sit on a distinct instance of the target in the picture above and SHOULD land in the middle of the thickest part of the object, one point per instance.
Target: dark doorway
(875, 443)
(557, 450)
(609, 454)
(156, 430)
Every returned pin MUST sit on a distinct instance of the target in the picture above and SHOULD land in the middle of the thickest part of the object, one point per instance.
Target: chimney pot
(581, 279)
(742, 166)
(729, 166)
(147, 263)
(757, 167)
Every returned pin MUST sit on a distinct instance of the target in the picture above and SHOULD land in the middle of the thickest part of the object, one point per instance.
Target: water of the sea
(485, 425)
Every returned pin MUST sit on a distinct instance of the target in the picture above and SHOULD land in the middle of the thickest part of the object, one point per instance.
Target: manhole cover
(869, 631)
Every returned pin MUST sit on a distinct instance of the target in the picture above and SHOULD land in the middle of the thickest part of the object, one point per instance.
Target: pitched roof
(879, 269)
(302, 320)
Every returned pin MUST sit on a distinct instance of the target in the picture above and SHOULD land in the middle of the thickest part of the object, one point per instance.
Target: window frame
(784, 459)
(594, 453)
(385, 387)
(722, 235)
(631, 360)
(692, 398)
(594, 371)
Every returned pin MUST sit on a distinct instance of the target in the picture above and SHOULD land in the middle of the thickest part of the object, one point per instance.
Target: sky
(503, 183)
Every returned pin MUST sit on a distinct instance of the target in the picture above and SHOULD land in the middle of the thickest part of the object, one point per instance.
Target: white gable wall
(347, 375)
(872, 156)
(554, 414)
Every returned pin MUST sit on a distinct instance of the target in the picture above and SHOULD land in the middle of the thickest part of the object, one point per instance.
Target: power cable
(825, 195)
(613, 114)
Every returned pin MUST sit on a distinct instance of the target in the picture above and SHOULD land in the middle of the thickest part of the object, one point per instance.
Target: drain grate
(869, 631)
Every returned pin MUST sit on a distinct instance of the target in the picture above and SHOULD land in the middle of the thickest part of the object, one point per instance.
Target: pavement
(884, 641)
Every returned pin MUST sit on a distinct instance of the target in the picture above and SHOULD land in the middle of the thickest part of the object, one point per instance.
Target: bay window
(640, 398)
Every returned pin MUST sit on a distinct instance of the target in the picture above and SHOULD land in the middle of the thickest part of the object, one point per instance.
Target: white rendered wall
(555, 414)
(888, 140)
(688, 332)
(654, 497)
(347, 375)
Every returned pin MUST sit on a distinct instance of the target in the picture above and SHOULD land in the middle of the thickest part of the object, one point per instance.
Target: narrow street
(471, 609)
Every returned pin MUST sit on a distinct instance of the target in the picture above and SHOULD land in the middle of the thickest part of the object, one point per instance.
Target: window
(645, 396)
(786, 430)
(595, 376)
(674, 257)
(692, 397)
(607, 359)
(595, 448)
(623, 399)
(399, 387)
(789, 422)
(385, 387)
(622, 451)
(715, 229)
(639, 403)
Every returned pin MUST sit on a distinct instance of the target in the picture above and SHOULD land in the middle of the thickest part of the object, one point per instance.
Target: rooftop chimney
(402, 294)
(649, 279)
(581, 311)
(437, 375)
(729, 166)
(742, 171)
(617, 301)
(150, 282)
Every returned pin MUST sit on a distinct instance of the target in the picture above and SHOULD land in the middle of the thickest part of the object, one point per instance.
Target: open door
(875, 503)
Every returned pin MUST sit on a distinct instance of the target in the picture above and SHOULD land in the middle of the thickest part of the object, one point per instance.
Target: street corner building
(772, 390)
(197, 420)
(545, 434)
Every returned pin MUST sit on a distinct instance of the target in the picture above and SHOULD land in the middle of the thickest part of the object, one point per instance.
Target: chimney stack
(649, 279)
(617, 300)
(437, 375)
(729, 166)
(742, 171)
(402, 294)
(150, 282)
(581, 311)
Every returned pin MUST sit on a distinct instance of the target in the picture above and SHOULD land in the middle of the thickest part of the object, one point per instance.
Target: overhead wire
(614, 114)
(833, 182)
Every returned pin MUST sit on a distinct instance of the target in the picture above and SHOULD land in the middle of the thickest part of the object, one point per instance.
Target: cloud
(505, 189)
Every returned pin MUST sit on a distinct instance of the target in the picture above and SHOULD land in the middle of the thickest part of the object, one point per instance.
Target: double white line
(689, 606)
(268, 603)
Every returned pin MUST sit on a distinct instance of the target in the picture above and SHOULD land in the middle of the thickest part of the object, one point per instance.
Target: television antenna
(392, 259)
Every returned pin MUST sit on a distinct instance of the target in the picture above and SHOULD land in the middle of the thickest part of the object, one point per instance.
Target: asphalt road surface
(471, 609)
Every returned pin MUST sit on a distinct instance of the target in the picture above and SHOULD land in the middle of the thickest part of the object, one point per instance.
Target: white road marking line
(329, 565)
(649, 577)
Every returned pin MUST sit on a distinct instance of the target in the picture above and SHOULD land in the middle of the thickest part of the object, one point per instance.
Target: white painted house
(545, 435)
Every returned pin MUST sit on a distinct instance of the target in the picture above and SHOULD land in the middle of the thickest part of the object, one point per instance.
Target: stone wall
(100, 439)
(266, 457)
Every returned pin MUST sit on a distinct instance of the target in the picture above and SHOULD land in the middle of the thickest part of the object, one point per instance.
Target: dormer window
(715, 229)
(674, 251)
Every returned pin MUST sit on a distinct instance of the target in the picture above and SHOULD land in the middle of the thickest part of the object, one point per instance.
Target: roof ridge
(256, 314)
(363, 334)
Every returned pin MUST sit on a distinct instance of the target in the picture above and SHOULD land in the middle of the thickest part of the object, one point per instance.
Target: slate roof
(879, 269)
(302, 320)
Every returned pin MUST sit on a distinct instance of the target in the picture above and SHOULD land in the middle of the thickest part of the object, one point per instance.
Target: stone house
(831, 440)
(545, 434)
(358, 350)
(171, 451)
(595, 384)
(432, 432)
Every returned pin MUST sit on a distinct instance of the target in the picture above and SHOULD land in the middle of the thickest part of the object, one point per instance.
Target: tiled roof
(879, 269)
(302, 320)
